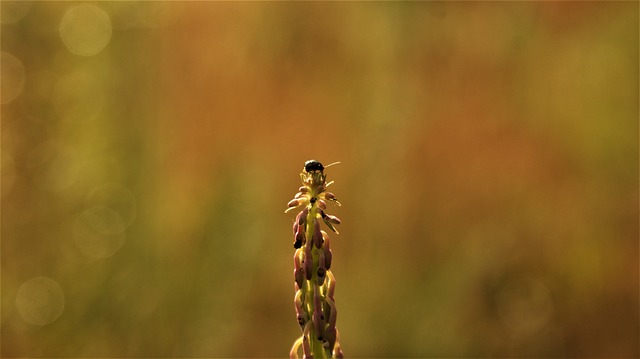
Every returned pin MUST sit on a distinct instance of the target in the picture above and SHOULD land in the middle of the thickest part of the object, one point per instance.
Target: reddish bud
(297, 259)
(333, 313)
(331, 285)
(303, 317)
(326, 249)
(298, 272)
(337, 352)
(299, 238)
(306, 348)
(308, 263)
(318, 318)
(298, 275)
(317, 235)
(309, 243)
(332, 219)
(330, 336)
(322, 271)
(293, 354)
(301, 218)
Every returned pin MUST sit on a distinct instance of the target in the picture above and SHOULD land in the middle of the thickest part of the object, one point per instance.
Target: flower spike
(314, 300)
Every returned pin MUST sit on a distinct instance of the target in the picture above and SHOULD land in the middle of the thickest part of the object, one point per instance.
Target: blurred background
(489, 176)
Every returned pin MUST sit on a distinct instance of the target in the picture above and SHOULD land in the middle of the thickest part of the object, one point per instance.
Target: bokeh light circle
(117, 198)
(85, 30)
(13, 76)
(40, 301)
(98, 232)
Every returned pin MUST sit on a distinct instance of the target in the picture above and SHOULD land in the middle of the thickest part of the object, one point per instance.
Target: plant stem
(315, 306)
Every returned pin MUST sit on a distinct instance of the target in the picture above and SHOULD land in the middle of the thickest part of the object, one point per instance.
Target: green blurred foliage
(489, 176)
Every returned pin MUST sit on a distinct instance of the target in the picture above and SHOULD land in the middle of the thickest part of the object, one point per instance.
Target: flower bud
(296, 243)
(326, 249)
(297, 259)
(303, 189)
(337, 351)
(329, 196)
(293, 204)
(321, 269)
(293, 354)
(308, 262)
(321, 275)
(299, 238)
(331, 227)
(331, 285)
(328, 257)
(318, 318)
(303, 317)
(298, 275)
(317, 235)
(313, 223)
(298, 272)
(322, 204)
(333, 313)
(301, 218)
(330, 337)
(306, 348)
(326, 308)
(332, 219)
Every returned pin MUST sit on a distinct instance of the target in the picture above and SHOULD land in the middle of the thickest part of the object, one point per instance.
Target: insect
(313, 166)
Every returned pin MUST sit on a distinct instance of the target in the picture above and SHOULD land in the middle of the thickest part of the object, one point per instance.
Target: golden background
(489, 176)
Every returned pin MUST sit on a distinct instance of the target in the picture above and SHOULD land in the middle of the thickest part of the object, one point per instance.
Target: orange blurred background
(488, 176)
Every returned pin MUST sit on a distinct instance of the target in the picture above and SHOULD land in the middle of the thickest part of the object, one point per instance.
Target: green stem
(317, 349)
